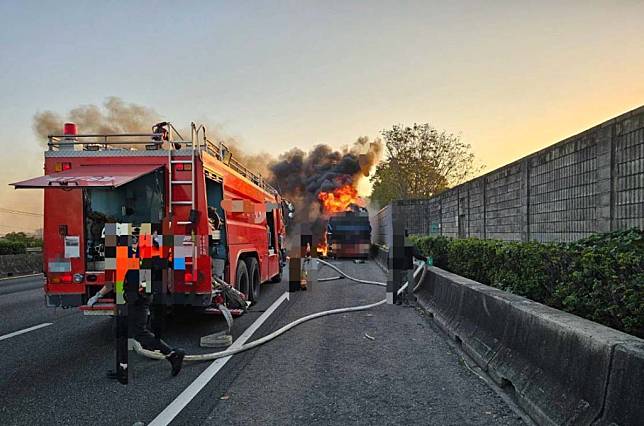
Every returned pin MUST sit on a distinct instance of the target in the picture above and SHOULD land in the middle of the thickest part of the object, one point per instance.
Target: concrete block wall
(421, 217)
(449, 213)
(476, 209)
(590, 182)
(381, 227)
(629, 173)
(503, 203)
(563, 190)
(433, 216)
(20, 264)
(414, 212)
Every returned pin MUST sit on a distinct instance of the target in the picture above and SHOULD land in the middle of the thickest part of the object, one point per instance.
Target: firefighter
(137, 325)
(138, 302)
(138, 310)
(100, 294)
(305, 267)
(164, 135)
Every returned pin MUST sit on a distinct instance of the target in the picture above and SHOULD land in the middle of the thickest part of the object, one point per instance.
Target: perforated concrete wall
(590, 182)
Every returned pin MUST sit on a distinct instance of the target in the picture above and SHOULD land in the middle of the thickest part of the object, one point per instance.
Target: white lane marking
(20, 276)
(175, 407)
(25, 330)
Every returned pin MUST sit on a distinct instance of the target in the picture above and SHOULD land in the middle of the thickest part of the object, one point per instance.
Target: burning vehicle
(322, 184)
(348, 234)
(348, 230)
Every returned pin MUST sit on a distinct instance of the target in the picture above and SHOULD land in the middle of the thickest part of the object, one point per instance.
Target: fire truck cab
(223, 219)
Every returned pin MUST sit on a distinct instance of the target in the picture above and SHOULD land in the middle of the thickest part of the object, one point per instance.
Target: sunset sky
(511, 77)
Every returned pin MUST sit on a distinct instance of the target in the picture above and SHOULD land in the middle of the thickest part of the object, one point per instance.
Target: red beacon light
(70, 130)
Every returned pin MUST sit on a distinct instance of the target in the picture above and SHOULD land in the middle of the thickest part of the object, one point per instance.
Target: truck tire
(254, 279)
(242, 283)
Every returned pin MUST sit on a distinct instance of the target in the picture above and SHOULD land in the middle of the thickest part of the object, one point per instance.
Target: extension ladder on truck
(175, 162)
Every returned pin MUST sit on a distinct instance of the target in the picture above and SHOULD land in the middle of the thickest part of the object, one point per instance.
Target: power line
(13, 228)
(19, 212)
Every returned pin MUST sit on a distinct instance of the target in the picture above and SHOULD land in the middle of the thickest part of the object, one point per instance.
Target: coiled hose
(222, 354)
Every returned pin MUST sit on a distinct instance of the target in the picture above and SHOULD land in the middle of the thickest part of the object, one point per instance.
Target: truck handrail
(105, 140)
(216, 150)
(108, 139)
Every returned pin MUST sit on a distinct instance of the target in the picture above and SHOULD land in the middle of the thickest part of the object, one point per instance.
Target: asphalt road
(325, 371)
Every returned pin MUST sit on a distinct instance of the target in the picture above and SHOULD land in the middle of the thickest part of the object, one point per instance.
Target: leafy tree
(11, 247)
(16, 236)
(23, 239)
(420, 162)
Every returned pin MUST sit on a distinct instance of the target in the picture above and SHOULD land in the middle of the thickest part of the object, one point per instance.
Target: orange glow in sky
(510, 77)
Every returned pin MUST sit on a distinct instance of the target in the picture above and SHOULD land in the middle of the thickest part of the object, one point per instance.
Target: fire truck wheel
(241, 278)
(255, 280)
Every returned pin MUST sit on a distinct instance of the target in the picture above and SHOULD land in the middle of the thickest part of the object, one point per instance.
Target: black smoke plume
(115, 116)
(300, 176)
(118, 116)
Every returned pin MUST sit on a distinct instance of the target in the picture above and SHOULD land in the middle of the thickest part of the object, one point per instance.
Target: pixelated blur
(140, 252)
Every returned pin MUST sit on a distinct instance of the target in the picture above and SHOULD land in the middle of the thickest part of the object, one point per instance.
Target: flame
(323, 247)
(339, 200)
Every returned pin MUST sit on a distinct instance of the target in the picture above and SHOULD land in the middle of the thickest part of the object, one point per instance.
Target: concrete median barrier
(380, 255)
(20, 264)
(625, 393)
(561, 369)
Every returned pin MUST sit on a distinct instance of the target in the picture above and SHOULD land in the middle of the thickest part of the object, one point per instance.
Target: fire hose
(222, 354)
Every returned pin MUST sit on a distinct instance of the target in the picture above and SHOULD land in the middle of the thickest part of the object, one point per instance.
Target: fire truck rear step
(98, 309)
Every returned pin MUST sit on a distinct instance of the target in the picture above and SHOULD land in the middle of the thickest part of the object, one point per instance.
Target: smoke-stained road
(325, 371)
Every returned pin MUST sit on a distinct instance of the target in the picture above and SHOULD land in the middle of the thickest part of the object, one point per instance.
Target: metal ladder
(173, 182)
(191, 202)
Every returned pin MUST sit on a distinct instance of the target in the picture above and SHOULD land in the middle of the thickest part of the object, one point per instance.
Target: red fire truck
(230, 221)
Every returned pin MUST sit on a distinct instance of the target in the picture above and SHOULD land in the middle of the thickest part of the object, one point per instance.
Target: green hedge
(600, 278)
(11, 247)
